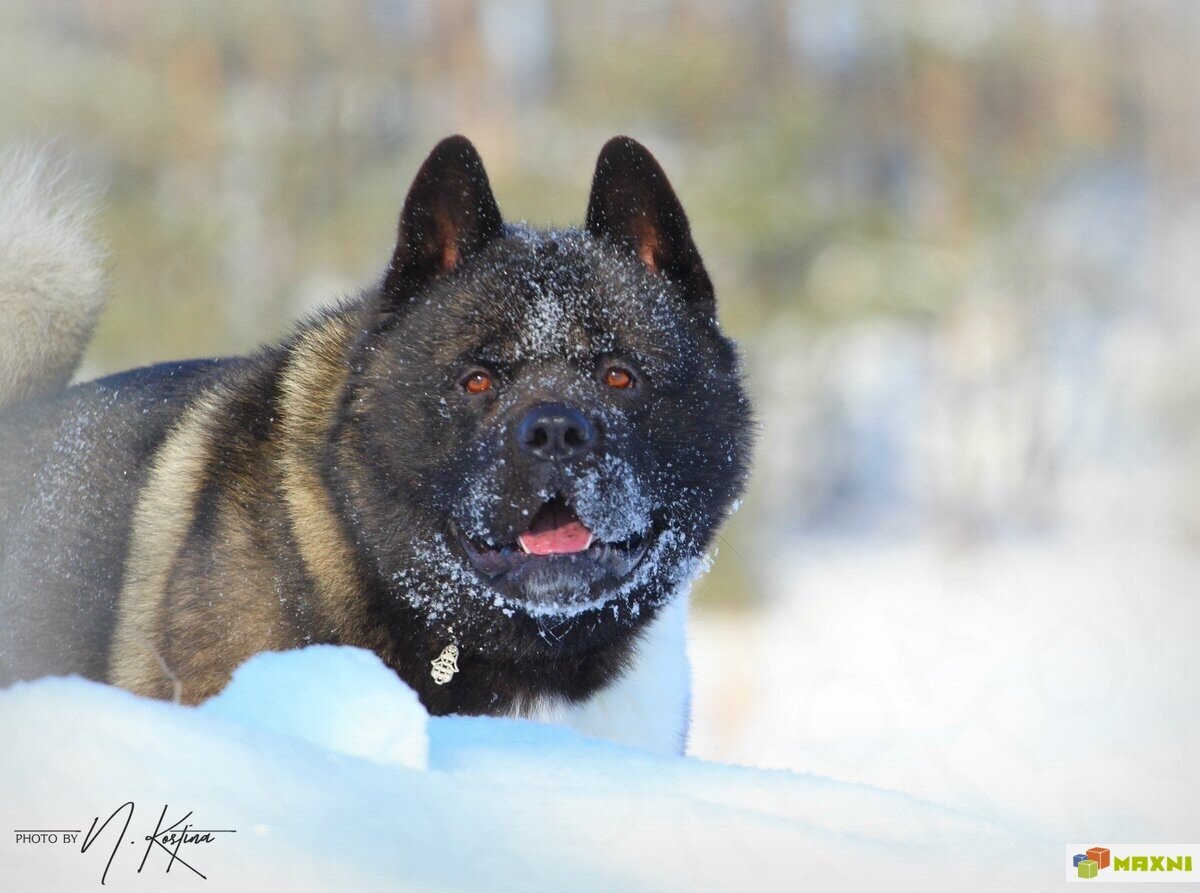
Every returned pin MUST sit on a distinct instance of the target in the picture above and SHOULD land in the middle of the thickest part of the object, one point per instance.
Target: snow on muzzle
(557, 535)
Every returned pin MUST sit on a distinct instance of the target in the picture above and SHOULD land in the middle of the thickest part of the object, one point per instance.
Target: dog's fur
(51, 275)
(160, 526)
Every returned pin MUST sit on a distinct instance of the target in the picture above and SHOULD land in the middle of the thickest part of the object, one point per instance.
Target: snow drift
(318, 770)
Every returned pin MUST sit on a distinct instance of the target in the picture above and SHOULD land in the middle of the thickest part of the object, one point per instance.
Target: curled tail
(52, 277)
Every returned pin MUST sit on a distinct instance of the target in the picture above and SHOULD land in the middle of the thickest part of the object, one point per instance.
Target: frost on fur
(52, 284)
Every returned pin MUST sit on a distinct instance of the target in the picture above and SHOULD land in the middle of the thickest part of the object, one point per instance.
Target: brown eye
(616, 377)
(477, 383)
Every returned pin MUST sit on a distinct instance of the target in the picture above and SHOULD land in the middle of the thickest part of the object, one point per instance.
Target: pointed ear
(449, 212)
(633, 205)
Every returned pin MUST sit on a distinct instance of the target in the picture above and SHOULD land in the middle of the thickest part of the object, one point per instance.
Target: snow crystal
(547, 326)
(609, 499)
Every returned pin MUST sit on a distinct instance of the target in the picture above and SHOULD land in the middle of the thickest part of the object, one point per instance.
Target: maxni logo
(1098, 857)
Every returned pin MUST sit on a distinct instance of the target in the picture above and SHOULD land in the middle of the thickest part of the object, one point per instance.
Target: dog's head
(550, 423)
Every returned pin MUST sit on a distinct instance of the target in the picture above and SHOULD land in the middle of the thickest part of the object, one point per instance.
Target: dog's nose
(553, 431)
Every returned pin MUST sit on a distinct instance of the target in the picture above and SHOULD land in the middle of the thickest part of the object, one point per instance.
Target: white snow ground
(334, 779)
(1049, 679)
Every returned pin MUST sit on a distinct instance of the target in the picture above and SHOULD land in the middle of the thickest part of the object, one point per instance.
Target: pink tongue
(555, 531)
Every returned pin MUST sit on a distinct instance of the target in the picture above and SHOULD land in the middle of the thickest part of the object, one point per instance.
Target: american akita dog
(499, 468)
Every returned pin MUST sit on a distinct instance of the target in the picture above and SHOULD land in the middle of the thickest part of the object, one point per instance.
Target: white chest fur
(649, 705)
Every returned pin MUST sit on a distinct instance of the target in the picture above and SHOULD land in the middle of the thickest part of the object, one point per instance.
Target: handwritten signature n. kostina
(169, 839)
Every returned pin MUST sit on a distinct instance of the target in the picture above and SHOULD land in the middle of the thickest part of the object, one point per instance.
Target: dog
(499, 468)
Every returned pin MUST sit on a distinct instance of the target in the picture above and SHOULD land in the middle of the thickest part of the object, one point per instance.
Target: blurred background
(958, 242)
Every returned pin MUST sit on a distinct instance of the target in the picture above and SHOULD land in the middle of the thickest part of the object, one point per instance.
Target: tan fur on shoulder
(155, 596)
(312, 384)
(164, 513)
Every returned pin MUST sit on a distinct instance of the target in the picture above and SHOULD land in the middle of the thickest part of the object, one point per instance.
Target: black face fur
(480, 331)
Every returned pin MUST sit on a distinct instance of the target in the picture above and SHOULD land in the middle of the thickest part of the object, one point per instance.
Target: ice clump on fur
(340, 699)
(607, 496)
(52, 282)
(559, 309)
(610, 501)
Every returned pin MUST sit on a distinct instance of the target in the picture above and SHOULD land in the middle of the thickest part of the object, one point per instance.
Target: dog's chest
(649, 705)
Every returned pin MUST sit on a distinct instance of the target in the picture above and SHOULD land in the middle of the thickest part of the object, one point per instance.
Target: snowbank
(1050, 682)
(308, 770)
(342, 700)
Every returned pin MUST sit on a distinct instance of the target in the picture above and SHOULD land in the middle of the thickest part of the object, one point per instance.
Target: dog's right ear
(449, 212)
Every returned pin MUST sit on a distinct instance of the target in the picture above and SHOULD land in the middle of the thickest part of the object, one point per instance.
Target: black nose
(553, 431)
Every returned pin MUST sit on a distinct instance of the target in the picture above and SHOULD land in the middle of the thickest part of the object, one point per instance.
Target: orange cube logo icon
(1100, 855)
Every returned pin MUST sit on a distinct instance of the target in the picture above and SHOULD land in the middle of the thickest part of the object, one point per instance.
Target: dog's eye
(477, 383)
(618, 377)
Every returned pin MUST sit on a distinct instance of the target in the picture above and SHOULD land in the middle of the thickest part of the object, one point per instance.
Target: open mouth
(555, 536)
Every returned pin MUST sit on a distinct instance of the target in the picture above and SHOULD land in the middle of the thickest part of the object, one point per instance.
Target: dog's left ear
(633, 205)
(449, 212)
